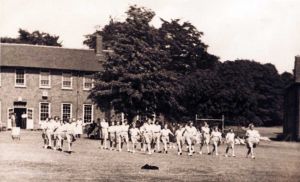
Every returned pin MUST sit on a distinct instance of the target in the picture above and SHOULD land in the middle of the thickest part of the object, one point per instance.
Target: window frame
(40, 108)
(92, 112)
(49, 78)
(62, 81)
(84, 81)
(16, 85)
(61, 109)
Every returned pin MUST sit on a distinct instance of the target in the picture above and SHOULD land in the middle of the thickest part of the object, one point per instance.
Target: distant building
(43, 81)
(291, 125)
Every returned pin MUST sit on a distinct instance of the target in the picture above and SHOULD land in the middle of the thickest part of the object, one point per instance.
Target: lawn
(26, 160)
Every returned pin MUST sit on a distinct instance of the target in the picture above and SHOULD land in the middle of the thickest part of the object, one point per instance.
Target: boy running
(104, 132)
(216, 138)
(230, 142)
(134, 132)
(205, 130)
(179, 138)
(252, 139)
(112, 135)
(124, 128)
(165, 137)
(190, 137)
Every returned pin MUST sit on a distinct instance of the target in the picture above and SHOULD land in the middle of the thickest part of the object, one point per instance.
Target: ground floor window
(44, 111)
(66, 111)
(87, 113)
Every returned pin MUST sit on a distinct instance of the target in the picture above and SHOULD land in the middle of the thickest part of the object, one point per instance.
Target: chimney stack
(297, 69)
(99, 47)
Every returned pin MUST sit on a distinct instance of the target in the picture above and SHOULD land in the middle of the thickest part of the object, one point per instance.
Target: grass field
(26, 160)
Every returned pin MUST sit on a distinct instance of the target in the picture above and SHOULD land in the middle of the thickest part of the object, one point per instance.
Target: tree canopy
(35, 38)
(168, 70)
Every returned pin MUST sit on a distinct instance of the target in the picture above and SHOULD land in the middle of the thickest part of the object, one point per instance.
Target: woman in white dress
(79, 128)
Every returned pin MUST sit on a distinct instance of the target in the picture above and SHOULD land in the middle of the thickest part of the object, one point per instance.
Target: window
(20, 78)
(87, 113)
(67, 81)
(44, 111)
(45, 79)
(66, 111)
(88, 82)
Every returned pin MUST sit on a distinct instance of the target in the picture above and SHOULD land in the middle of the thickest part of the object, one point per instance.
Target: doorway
(19, 121)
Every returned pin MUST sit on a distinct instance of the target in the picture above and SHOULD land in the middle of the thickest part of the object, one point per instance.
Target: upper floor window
(67, 80)
(45, 79)
(20, 79)
(88, 82)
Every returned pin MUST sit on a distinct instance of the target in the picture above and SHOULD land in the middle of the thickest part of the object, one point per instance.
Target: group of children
(55, 131)
(150, 135)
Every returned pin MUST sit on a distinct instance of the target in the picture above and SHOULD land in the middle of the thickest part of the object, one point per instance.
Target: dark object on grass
(147, 166)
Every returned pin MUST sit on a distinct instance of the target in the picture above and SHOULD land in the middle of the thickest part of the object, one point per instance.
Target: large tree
(35, 38)
(167, 70)
(133, 80)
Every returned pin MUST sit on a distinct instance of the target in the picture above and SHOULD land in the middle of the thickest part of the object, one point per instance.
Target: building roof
(49, 57)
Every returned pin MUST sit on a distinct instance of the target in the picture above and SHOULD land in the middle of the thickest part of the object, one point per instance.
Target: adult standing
(104, 133)
(24, 119)
(79, 128)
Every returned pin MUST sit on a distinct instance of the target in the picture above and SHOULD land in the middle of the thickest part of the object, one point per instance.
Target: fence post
(223, 118)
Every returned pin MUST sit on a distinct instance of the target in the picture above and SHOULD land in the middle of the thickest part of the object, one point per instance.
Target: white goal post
(212, 119)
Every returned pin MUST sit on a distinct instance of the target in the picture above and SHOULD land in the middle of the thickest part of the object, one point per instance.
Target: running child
(124, 128)
(229, 139)
(205, 130)
(252, 139)
(179, 138)
(112, 135)
(104, 132)
(216, 138)
(165, 132)
(134, 132)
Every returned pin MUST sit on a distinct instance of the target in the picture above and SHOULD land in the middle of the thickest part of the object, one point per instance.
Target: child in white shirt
(165, 137)
(230, 142)
(216, 138)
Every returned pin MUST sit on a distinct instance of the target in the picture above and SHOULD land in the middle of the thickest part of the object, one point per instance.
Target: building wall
(32, 94)
(291, 113)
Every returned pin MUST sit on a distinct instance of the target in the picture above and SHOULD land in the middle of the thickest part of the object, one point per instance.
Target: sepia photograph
(150, 90)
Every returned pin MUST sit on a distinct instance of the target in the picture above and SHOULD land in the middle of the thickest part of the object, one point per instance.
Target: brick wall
(32, 94)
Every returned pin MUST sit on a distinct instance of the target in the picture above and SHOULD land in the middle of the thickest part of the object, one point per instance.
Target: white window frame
(0, 113)
(49, 78)
(16, 85)
(84, 77)
(62, 81)
(61, 109)
(49, 105)
(0, 76)
(92, 114)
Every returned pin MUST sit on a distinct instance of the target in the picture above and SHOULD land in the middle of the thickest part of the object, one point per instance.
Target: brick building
(43, 81)
(291, 125)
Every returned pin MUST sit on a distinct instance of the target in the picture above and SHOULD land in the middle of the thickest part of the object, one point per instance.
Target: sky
(267, 31)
